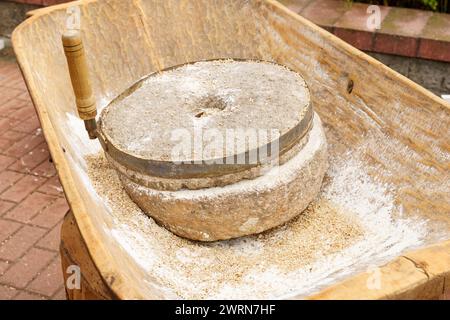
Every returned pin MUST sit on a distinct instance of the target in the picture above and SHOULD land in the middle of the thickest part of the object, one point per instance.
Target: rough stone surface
(12, 14)
(175, 108)
(222, 96)
(243, 208)
(433, 75)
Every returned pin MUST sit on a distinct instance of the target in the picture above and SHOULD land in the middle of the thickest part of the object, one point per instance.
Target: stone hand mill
(211, 150)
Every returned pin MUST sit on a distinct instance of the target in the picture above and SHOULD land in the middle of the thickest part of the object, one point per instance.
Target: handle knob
(79, 75)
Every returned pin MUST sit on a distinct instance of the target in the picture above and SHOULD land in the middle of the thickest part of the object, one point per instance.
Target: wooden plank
(74, 253)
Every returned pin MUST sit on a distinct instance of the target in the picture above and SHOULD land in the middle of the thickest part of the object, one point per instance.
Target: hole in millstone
(209, 105)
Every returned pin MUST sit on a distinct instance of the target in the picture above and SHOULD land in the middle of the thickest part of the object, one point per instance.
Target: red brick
(4, 143)
(405, 22)
(5, 161)
(20, 242)
(25, 145)
(4, 265)
(21, 189)
(53, 214)
(18, 84)
(7, 293)
(8, 107)
(24, 295)
(7, 124)
(437, 27)
(356, 17)
(8, 178)
(399, 45)
(32, 159)
(359, 39)
(23, 113)
(60, 295)
(52, 239)
(13, 136)
(52, 187)
(325, 12)
(296, 5)
(45, 169)
(27, 268)
(29, 207)
(49, 280)
(5, 206)
(28, 126)
(7, 94)
(26, 97)
(435, 50)
(7, 228)
(9, 74)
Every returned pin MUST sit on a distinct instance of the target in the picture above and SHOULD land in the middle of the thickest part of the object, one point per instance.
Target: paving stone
(31, 160)
(10, 106)
(6, 292)
(8, 178)
(13, 136)
(22, 188)
(45, 169)
(4, 265)
(29, 125)
(5, 161)
(27, 268)
(49, 281)
(30, 207)
(52, 187)
(5, 206)
(60, 295)
(50, 216)
(296, 5)
(7, 228)
(24, 295)
(25, 145)
(325, 12)
(52, 239)
(19, 243)
(437, 27)
(357, 16)
(405, 22)
(7, 124)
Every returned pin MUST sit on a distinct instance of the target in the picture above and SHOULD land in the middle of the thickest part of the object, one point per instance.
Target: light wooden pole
(79, 75)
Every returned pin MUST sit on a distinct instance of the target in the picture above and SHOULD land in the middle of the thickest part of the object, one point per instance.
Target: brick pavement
(32, 203)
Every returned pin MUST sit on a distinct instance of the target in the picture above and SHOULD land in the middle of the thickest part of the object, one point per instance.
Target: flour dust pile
(349, 227)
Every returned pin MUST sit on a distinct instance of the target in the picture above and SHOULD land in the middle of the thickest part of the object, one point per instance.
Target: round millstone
(175, 124)
(219, 149)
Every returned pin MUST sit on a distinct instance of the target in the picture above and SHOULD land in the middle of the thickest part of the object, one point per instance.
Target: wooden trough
(357, 97)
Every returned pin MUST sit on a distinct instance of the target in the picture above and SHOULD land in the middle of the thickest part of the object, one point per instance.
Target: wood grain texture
(79, 74)
(74, 253)
(399, 129)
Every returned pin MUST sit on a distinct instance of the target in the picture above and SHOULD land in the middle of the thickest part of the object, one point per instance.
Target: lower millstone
(211, 191)
(242, 208)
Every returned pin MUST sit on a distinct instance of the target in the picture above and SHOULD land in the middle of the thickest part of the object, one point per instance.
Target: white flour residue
(373, 204)
(352, 225)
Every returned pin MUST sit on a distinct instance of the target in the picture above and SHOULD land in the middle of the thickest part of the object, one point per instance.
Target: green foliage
(431, 4)
(434, 5)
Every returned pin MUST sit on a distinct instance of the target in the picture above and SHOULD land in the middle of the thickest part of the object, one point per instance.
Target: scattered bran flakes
(202, 270)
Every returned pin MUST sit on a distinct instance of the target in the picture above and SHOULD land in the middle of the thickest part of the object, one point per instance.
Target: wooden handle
(79, 75)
